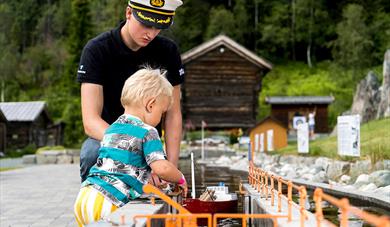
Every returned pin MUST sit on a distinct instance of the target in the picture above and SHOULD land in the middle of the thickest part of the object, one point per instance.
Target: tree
(352, 47)
(80, 32)
(275, 32)
(221, 21)
(311, 25)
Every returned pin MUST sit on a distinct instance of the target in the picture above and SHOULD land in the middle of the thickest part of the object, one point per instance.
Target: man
(110, 58)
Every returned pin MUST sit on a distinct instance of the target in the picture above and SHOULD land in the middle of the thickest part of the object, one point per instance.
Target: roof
(22, 111)
(299, 99)
(266, 119)
(222, 40)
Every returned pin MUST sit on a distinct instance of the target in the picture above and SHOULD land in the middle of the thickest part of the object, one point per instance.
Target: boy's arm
(91, 109)
(166, 170)
(173, 127)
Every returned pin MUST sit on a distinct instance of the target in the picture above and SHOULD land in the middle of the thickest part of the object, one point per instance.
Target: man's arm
(173, 127)
(91, 109)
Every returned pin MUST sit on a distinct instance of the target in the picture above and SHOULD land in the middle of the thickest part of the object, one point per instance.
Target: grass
(374, 143)
(2, 169)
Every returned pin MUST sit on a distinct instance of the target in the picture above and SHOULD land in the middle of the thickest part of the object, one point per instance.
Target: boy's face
(155, 109)
(141, 34)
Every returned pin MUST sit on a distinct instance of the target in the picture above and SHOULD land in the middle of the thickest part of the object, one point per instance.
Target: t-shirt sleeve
(175, 68)
(90, 66)
(153, 147)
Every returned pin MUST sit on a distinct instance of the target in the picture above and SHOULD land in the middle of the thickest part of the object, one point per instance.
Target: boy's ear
(150, 104)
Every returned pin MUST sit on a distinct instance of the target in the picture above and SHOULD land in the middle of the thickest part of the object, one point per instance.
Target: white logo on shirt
(181, 72)
(80, 70)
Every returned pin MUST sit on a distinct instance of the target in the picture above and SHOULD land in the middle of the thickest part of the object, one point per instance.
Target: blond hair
(144, 84)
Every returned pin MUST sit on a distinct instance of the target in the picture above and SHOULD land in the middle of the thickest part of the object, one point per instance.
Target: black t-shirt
(107, 61)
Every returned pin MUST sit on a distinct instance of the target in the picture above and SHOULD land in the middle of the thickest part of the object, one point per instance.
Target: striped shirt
(128, 148)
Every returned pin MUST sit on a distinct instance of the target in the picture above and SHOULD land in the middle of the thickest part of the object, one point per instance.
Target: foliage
(15, 153)
(353, 46)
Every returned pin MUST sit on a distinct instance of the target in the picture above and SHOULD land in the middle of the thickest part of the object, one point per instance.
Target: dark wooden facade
(3, 132)
(222, 84)
(302, 106)
(24, 128)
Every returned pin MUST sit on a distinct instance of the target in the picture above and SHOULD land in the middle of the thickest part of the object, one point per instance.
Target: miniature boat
(224, 202)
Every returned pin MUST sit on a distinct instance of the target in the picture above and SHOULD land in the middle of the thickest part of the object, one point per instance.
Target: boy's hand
(183, 185)
(155, 180)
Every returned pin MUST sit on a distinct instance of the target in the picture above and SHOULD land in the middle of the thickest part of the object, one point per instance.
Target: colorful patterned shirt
(128, 148)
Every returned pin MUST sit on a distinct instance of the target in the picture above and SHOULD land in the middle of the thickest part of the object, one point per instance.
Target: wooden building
(285, 108)
(268, 131)
(29, 123)
(3, 131)
(222, 84)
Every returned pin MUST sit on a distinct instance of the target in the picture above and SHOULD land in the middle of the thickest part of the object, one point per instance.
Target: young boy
(131, 148)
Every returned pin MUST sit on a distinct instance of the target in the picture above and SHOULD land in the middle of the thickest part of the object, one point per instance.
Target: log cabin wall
(222, 89)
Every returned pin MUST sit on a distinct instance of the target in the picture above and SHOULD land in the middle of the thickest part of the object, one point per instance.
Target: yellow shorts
(91, 206)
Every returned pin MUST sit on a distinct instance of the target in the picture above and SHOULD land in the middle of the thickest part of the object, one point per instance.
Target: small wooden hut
(28, 123)
(222, 84)
(285, 108)
(260, 133)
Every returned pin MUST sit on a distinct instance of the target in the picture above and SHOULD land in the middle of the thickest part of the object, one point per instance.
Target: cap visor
(153, 20)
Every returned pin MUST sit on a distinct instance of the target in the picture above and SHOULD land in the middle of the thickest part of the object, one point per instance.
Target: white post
(192, 176)
(202, 141)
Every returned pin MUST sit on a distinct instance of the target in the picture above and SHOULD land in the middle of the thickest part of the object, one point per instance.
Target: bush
(16, 153)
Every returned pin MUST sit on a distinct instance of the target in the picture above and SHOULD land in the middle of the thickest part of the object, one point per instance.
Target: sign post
(348, 135)
(303, 138)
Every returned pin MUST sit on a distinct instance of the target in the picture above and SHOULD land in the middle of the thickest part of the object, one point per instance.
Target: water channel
(211, 176)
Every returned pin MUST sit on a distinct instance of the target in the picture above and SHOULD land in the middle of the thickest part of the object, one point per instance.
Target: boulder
(384, 104)
(367, 98)
(381, 178)
(336, 169)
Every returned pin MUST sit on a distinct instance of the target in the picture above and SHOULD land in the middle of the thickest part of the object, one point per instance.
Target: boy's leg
(91, 206)
(88, 156)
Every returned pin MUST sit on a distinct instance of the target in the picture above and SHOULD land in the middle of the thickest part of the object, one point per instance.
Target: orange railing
(258, 179)
(174, 220)
(343, 204)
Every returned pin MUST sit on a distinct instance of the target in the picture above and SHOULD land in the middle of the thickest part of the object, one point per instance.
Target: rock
(315, 169)
(363, 179)
(308, 177)
(29, 159)
(367, 98)
(323, 162)
(385, 191)
(292, 175)
(360, 167)
(381, 178)
(368, 188)
(320, 177)
(384, 104)
(47, 157)
(345, 179)
(64, 159)
(337, 168)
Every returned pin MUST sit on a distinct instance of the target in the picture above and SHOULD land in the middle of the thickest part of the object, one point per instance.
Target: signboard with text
(303, 138)
(348, 135)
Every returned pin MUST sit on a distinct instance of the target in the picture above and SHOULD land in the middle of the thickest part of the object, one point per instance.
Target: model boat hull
(212, 207)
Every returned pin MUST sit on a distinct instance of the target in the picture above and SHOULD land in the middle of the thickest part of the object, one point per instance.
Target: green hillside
(374, 143)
